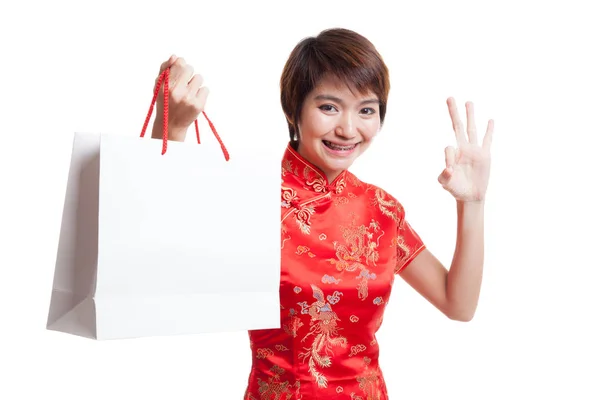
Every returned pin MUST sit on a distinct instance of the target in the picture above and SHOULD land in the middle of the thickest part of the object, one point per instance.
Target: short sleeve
(408, 243)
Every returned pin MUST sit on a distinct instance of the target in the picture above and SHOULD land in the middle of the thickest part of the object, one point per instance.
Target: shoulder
(377, 197)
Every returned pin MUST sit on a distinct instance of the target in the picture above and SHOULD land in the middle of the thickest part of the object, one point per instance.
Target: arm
(454, 292)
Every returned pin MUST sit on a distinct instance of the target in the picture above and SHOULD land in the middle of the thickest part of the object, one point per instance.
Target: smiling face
(336, 125)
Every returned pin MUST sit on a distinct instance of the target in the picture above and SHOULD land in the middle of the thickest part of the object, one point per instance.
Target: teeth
(337, 147)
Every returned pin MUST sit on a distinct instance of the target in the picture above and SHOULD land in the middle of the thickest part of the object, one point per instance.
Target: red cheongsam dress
(341, 245)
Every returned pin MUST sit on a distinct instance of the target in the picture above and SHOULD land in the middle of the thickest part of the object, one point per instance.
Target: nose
(346, 126)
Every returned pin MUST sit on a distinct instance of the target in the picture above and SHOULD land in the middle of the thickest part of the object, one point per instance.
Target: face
(336, 126)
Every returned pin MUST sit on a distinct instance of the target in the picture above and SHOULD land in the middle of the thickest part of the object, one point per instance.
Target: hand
(467, 169)
(187, 98)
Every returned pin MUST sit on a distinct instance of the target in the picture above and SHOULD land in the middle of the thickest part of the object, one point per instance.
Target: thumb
(445, 176)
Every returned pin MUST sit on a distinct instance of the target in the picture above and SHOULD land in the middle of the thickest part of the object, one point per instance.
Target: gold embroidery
(323, 326)
(293, 325)
(303, 218)
(369, 383)
(339, 389)
(318, 185)
(263, 353)
(280, 347)
(284, 236)
(357, 349)
(402, 252)
(286, 166)
(388, 207)
(361, 251)
(322, 236)
(274, 388)
(288, 196)
(340, 201)
(353, 318)
(340, 186)
(353, 180)
(303, 249)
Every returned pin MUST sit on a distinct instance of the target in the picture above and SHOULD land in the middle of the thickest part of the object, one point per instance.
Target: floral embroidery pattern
(340, 201)
(303, 218)
(288, 196)
(318, 185)
(388, 207)
(284, 236)
(369, 384)
(324, 329)
(274, 388)
(304, 250)
(403, 252)
(326, 279)
(264, 353)
(359, 252)
(294, 323)
(354, 350)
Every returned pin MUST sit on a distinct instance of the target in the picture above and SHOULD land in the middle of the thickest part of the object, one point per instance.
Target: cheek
(370, 128)
(317, 125)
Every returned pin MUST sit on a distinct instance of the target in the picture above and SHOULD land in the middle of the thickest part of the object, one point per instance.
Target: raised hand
(467, 169)
(187, 98)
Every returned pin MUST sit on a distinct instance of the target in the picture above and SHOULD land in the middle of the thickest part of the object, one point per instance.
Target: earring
(295, 138)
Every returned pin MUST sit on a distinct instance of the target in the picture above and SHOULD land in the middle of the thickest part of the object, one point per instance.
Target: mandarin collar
(311, 177)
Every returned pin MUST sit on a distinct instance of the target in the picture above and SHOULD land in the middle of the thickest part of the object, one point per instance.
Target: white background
(531, 66)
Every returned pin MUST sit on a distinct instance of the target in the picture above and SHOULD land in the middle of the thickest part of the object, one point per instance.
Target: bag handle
(164, 77)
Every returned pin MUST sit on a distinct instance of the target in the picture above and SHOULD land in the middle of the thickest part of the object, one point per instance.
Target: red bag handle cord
(164, 77)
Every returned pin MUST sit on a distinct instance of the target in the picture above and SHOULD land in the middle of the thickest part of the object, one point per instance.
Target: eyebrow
(338, 100)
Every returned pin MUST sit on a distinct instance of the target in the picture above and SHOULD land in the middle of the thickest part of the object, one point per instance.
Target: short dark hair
(340, 52)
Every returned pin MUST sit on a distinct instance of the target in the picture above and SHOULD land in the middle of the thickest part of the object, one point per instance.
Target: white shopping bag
(155, 245)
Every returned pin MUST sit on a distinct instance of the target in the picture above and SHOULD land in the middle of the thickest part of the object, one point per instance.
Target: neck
(329, 174)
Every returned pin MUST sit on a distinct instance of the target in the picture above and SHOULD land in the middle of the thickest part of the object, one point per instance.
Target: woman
(344, 240)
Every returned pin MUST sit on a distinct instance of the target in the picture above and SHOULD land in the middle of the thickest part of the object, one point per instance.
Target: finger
(167, 63)
(164, 66)
(471, 129)
(450, 156)
(195, 84)
(445, 176)
(456, 122)
(181, 73)
(487, 139)
(201, 98)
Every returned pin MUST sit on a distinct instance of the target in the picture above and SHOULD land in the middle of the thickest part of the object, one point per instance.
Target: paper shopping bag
(155, 244)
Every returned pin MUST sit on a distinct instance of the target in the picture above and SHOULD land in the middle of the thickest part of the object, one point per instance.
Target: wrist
(471, 203)
(470, 206)
(470, 209)
(175, 133)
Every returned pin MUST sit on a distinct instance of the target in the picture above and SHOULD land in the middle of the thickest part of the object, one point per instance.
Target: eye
(368, 111)
(327, 108)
